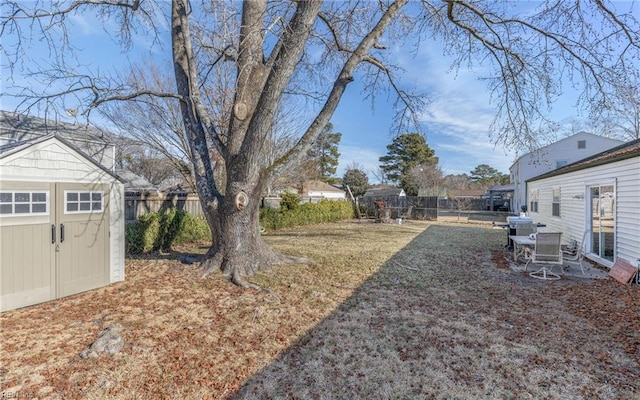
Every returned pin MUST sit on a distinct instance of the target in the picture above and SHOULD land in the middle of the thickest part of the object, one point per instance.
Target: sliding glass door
(603, 203)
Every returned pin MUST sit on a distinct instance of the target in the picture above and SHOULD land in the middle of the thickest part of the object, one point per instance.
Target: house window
(561, 163)
(555, 205)
(24, 203)
(582, 144)
(533, 203)
(82, 202)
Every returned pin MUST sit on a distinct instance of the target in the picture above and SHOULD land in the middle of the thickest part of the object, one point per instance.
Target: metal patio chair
(576, 255)
(547, 251)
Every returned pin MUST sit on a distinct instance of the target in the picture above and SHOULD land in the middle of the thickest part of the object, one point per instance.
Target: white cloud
(459, 116)
(87, 24)
(461, 135)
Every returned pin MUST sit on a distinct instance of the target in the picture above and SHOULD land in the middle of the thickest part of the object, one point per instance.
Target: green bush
(289, 201)
(306, 214)
(159, 231)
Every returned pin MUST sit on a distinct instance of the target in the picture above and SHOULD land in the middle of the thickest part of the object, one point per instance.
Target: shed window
(82, 202)
(582, 144)
(555, 205)
(22, 203)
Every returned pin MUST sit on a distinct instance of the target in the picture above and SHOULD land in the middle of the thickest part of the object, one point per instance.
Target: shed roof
(627, 150)
(16, 127)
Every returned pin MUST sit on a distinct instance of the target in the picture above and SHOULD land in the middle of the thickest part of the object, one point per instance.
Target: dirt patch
(417, 310)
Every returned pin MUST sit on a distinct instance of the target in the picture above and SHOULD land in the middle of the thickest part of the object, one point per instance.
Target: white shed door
(54, 241)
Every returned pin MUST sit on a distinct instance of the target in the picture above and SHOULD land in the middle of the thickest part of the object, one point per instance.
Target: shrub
(289, 201)
(305, 214)
(159, 231)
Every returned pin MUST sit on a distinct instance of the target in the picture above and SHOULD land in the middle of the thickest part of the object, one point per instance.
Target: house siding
(573, 220)
(544, 160)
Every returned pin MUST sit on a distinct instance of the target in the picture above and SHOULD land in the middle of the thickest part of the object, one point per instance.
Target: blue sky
(456, 122)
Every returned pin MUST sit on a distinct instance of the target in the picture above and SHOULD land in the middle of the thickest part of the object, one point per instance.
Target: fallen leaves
(416, 310)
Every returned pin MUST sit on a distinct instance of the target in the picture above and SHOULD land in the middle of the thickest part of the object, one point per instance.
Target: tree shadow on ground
(439, 320)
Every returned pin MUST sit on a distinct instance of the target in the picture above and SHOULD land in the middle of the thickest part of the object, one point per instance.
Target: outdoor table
(520, 243)
(511, 230)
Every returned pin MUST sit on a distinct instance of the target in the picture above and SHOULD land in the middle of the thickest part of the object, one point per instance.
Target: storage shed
(61, 222)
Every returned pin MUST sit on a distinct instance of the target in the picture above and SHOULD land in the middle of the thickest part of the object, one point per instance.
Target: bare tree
(622, 116)
(459, 181)
(380, 176)
(427, 178)
(154, 123)
(308, 52)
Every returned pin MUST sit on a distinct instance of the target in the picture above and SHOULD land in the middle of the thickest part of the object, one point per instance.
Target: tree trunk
(240, 251)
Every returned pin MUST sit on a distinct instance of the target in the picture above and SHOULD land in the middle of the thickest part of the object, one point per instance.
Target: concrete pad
(570, 269)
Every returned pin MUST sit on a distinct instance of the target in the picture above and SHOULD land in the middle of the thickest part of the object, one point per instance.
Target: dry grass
(406, 311)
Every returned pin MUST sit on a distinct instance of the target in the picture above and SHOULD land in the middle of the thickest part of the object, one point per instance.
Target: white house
(600, 194)
(322, 190)
(547, 158)
(61, 221)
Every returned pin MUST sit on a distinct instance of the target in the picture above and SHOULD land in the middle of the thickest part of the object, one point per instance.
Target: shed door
(27, 248)
(82, 213)
(54, 241)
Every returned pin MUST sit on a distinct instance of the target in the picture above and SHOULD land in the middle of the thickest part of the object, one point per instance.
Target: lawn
(411, 311)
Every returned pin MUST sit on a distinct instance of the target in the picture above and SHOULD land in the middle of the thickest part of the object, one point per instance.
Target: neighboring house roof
(135, 183)
(12, 148)
(17, 128)
(466, 193)
(319, 186)
(384, 192)
(628, 150)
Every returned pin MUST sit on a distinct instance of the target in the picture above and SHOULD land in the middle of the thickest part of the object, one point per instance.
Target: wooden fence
(137, 205)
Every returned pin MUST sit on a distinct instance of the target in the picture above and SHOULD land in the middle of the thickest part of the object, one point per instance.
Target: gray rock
(109, 341)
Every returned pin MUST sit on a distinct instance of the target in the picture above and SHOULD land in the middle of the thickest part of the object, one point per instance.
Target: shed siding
(53, 161)
(59, 164)
(573, 220)
(116, 238)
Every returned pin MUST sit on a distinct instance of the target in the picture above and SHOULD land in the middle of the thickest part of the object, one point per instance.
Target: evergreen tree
(357, 181)
(485, 175)
(323, 155)
(405, 152)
